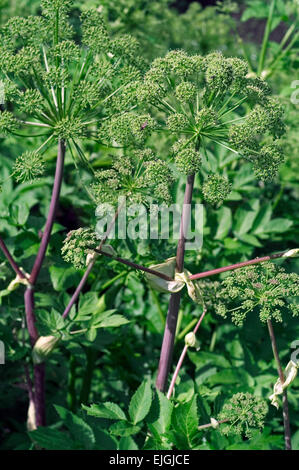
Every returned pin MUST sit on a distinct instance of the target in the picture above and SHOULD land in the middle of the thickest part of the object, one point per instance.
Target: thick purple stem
(10, 259)
(39, 369)
(51, 215)
(175, 299)
(213, 272)
(131, 264)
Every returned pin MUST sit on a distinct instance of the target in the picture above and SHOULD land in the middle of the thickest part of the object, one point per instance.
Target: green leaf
(127, 443)
(245, 216)
(262, 219)
(63, 276)
(185, 424)
(250, 239)
(124, 428)
(141, 402)
(107, 410)
(278, 225)
(113, 321)
(51, 439)
(162, 424)
(224, 220)
(79, 430)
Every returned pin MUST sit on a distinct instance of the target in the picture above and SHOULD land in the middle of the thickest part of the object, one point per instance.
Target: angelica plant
(201, 102)
(58, 90)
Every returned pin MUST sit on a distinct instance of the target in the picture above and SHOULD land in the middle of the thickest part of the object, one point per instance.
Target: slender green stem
(265, 44)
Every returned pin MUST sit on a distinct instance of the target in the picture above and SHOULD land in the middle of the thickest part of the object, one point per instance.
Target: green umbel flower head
(77, 245)
(62, 88)
(215, 189)
(244, 413)
(265, 288)
(28, 167)
(214, 99)
(139, 176)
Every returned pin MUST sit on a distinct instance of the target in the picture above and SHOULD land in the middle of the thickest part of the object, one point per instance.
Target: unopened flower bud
(43, 347)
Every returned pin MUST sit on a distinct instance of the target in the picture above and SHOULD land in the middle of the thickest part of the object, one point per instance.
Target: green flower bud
(216, 189)
(28, 167)
(30, 101)
(8, 123)
(187, 159)
(219, 72)
(177, 122)
(69, 128)
(77, 245)
(244, 413)
(266, 164)
(185, 92)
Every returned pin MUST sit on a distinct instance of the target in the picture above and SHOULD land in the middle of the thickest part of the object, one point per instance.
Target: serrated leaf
(124, 428)
(107, 410)
(51, 439)
(79, 430)
(141, 402)
(113, 321)
(162, 424)
(185, 424)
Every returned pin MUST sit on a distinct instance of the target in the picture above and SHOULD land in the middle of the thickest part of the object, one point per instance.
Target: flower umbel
(266, 288)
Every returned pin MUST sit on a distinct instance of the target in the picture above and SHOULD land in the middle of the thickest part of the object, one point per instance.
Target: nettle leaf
(141, 402)
(51, 439)
(124, 428)
(79, 430)
(107, 410)
(185, 424)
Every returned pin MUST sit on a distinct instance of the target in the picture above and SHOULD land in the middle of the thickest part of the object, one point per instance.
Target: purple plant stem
(182, 357)
(30, 317)
(175, 299)
(285, 405)
(213, 272)
(10, 259)
(51, 214)
(139, 267)
(39, 369)
(91, 264)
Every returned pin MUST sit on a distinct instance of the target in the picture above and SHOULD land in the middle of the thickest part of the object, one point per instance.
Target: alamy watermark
(295, 94)
(2, 353)
(295, 354)
(2, 92)
(153, 222)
